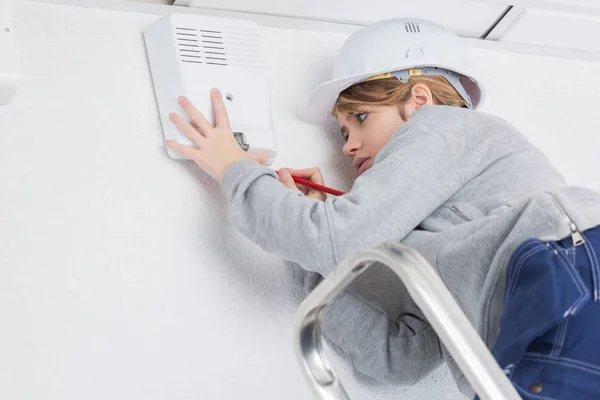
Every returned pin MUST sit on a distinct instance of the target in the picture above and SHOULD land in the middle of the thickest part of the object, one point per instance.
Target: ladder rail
(433, 298)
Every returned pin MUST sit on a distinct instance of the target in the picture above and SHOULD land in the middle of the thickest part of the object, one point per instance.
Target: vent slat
(412, 27)
(237, 38)
(220, 47)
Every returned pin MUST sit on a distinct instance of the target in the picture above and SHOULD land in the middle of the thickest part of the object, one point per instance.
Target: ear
(421, 95)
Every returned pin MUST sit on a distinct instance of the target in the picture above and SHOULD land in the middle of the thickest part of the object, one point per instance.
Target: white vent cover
(10, 75)
(190, 54)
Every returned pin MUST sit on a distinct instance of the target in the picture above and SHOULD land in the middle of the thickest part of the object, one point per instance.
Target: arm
(412, 176)
(393, 352)
(383, 334)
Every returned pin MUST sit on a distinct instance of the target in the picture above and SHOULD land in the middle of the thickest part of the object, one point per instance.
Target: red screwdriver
(316, 186)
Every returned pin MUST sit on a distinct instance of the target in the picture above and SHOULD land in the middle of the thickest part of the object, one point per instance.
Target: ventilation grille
(412, 27)
(234, 46)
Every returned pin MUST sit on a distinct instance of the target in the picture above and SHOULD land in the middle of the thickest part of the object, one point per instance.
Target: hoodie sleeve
(399, 351)
(413, 175)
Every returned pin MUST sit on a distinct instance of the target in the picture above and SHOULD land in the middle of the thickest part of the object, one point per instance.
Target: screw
(229, 96)
(7, 30)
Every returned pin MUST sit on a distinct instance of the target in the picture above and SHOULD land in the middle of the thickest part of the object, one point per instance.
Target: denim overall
(549, 340)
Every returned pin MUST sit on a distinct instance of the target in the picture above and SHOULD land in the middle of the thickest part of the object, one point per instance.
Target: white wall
(120, 276)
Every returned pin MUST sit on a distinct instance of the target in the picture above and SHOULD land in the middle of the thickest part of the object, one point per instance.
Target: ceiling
(156, 1)
(556, 24)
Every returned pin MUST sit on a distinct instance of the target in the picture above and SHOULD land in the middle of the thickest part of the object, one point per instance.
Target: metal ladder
(433, 298)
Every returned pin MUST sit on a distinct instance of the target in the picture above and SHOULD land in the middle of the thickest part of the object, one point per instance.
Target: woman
(516, 246)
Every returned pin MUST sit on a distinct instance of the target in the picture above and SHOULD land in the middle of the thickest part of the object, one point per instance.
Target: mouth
(361, 164)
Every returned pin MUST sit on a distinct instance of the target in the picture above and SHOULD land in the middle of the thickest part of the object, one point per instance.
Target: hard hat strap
(452, 77)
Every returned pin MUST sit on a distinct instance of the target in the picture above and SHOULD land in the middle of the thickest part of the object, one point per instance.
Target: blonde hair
(390, 91)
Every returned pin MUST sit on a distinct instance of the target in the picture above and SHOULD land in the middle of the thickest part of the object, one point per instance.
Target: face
(370, 127)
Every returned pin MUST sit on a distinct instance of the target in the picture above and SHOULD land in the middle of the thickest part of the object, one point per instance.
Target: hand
(217, 148)
(310, 174)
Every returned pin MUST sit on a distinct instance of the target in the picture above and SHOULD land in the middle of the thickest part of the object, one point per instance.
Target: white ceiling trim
(508, 21)
(305, 24)
(565, 8)
(503, 2)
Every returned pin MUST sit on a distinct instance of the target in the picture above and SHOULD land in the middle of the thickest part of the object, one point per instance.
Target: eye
(361, 117)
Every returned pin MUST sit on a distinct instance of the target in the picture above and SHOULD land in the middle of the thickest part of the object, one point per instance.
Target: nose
(352, 145)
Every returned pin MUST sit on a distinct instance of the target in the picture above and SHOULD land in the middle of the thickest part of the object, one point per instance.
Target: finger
(311, 174)
(197, 117)
(314, 193)
(286, 179)
(187, 129)
(317, 195)
(302, 188)
(221, 117)
(260, 157)
(181, 149)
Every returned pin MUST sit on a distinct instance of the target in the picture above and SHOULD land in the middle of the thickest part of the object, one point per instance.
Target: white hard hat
(397, 47)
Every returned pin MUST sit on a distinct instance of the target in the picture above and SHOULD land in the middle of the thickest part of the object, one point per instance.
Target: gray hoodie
(462, 187)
